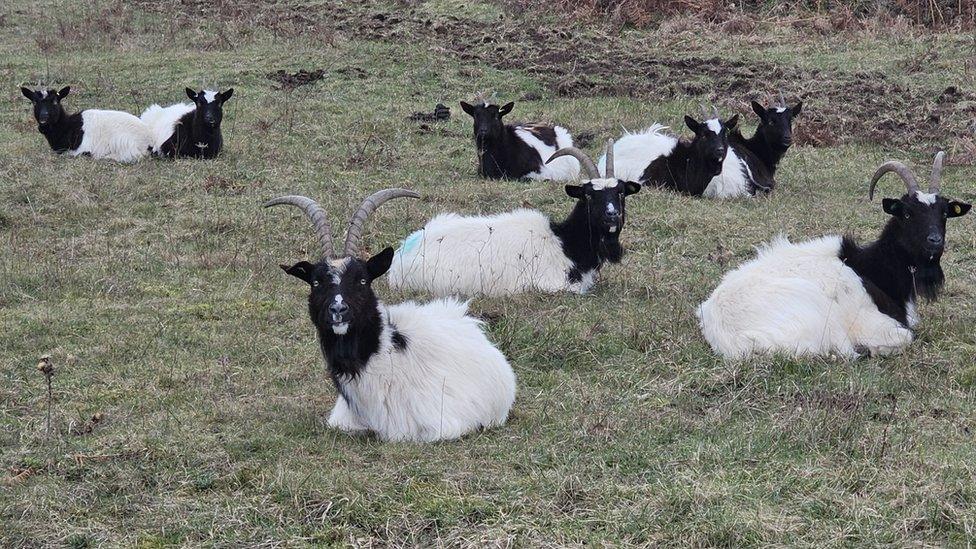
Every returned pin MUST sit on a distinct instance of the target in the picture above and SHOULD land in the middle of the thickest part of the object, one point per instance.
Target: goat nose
(935, 239)
(338, 309)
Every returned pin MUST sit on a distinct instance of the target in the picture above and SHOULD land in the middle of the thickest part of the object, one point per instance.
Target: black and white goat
(189, 130)
(115, 135)
(407, 372)
(707, 165)
(773, 136)
(516, 151)
(831, 295)
(521, 250)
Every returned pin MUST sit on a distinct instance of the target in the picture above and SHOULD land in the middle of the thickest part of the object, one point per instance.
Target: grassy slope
(156, 290)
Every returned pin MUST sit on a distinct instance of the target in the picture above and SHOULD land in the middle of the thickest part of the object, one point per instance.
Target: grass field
(156, 291)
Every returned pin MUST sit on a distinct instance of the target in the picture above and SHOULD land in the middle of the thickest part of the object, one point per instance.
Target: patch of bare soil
(290, 81)
(839, 106)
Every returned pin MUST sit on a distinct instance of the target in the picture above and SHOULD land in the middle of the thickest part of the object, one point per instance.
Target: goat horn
(704, 111)
(935, 183)
(315, 214)
(715, 114)
(782, 99)
(609, 168)
(369, 206)
(584, 160)
(894, 166)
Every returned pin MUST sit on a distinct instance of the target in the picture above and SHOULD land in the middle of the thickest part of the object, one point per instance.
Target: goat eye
(362, 281)
(315, 283)
(908, 215)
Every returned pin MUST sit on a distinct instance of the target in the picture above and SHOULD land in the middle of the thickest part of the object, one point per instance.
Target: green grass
(156, 290)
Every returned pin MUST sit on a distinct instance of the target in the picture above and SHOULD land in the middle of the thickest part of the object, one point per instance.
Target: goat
(407, 372)
(830, 295)
(516, 151)
(115, 135)
(704, 166)
(520, 250)
(773, 136)
(188, 130)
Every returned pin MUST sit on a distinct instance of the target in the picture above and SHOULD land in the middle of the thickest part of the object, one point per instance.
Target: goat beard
(928, 279)
(609, 247)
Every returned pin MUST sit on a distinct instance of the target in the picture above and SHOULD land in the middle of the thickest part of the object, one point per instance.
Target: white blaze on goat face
(209, 95)
(714, 125)
(780, 109)
(926, 198)
(600, 184)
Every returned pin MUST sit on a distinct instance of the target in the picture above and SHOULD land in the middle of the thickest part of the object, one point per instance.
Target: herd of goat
(427, 372)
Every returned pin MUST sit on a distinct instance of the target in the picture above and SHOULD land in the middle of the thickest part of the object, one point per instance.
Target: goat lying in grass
(521, 250)
(706, 165)
(830, 295)
(189, 130)
(115, 135)
(515, 151)
(407, 372)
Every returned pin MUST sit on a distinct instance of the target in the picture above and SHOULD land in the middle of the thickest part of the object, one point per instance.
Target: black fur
(197, 134)
(347, 354)
(585, 234)
(501, 152)
(691, 165)
(903, 264)
(773, 136)
(761, 181)
(63, 131)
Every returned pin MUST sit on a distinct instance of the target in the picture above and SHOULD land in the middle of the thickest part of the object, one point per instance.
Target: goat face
(711, 142)
(47, 105)
(341, 290)
(605, 202)
(210, 105)
(920, 219)
(776, 124)
(487, 120)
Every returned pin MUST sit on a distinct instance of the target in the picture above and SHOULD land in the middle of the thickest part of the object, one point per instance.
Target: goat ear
(191, 94)
(759, 110)
(892, 206)
(795, 110)
(29, 94)
(506, 108)
(302, 270)
(575, 191)
(64, 92)
(957, 209)
(379, 264)
(466, 107)
(631, 187)
(692, 124)
(731, 123)
(226, 95)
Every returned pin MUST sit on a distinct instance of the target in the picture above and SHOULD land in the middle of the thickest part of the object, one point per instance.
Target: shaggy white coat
(798, 299)
(448, 382)
(162, 121)
(565, 168)
(115, 135)
(732, 181)
(634, 152)
(493, 255)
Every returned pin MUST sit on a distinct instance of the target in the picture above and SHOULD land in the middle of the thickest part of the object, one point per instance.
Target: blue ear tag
(410, 242)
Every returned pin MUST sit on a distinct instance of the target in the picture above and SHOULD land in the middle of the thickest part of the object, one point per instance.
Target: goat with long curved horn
(372, 202)
(315, 214)
(897, 167)
(935, 182)
(584, 160)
